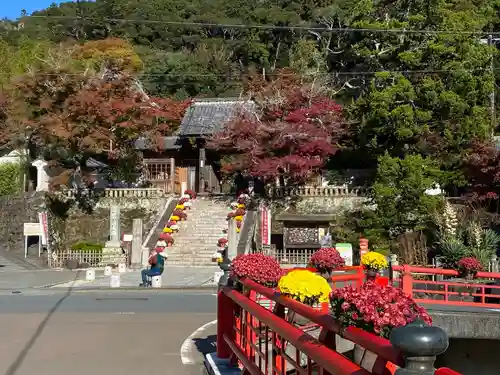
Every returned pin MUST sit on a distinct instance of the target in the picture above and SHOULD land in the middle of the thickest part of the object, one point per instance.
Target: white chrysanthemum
(187, 204)
(186, 196)
(174, 227)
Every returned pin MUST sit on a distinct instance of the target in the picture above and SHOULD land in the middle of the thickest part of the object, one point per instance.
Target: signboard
(265, 225)
(345, 251)
(44, 227)
(32, 229)
(128, 238)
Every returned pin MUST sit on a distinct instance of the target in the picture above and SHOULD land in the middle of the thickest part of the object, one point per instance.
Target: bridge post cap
(418, 339)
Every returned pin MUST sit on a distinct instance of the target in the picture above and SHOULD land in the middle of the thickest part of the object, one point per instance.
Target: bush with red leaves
(191, 193)
(326, 260)
(375, 308)
(262, 269)
(469, 265)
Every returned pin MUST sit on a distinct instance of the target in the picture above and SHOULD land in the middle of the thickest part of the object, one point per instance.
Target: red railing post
(407, 281)
(225, 324)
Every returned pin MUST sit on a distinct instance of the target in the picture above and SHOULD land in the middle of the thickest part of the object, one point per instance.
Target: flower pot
(468, 276)
(371, 274)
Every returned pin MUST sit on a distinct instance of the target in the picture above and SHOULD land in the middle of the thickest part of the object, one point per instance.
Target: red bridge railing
(444, 287)
(269, 339)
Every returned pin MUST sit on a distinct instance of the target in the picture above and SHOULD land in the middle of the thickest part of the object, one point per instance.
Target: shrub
(375, 308)
(10, 178)
(326, 260)
(87, 247)
(262, 269)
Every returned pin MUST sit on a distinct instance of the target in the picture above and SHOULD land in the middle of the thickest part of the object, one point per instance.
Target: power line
(331, 74)
(270, 27)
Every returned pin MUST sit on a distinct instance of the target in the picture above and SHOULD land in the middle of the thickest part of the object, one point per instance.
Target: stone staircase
(196, 241)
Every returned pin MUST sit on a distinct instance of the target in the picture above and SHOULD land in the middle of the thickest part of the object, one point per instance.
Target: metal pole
(492, 94)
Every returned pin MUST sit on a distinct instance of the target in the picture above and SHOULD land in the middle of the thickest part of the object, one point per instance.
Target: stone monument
(112, 253)
(136, 252)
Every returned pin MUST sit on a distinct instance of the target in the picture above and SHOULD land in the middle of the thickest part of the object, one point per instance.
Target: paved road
(48, 332)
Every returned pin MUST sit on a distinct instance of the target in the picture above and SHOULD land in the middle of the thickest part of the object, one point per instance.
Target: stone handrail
(318, 191)
(134, 193)
(125, 193)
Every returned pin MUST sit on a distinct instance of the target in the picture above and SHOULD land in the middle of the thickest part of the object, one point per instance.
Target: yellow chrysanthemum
(237, 230)
(238, 218)
(174, 218)
(305, 286)
(179, 207)
(241, 206)
(374, 261)
(167, 230)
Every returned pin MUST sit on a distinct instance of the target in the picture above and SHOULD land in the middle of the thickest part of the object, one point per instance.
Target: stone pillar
(112, 252)
(114, 227)
(232, 240)
(419, 344)
(42, 178)
(136, 253)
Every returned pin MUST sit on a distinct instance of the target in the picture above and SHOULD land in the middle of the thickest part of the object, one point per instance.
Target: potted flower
(187, 205)
(167, 237)
(183, 200)
(222, 242)
(180, 214)
(468, 267)
(262, 269)
(325, 260)
(240, 212)
(306, 287)
(174, 227)
(374, 308)
(190, 193)
(238, 218)
(180, 207)
(167, 230)
(174, 218)
(373, 263)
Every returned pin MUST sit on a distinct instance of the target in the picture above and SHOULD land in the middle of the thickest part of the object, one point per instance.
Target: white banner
(265, 225)
(44, 227)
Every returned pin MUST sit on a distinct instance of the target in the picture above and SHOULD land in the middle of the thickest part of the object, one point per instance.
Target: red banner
(44, 226)
(265, 225)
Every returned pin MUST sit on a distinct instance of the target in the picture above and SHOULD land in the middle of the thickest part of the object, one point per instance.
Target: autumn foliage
(290, 131)
(482, 168)
(70, 116)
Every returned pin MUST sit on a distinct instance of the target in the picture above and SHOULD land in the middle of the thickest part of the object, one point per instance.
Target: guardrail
(125, 193)
(263, 340)
(424, 286)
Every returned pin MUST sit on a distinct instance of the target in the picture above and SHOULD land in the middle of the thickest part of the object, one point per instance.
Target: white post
(42, 178)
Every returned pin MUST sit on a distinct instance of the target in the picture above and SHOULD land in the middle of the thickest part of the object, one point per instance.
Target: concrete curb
(97, 288)
(217, 366)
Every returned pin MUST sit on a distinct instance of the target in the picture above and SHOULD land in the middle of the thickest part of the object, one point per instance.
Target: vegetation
(11, 179)
(336, 85)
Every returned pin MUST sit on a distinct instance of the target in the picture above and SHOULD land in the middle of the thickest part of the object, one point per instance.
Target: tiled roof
(207, 117)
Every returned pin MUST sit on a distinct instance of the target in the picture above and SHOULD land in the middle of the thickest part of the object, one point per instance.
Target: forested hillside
(415, 77)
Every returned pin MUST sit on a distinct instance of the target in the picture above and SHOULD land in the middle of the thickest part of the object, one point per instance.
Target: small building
(184, 159)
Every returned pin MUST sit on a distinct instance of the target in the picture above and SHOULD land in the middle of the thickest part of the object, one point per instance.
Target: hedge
(10, 178)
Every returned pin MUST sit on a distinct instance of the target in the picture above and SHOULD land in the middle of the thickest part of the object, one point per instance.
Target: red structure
(261, 339)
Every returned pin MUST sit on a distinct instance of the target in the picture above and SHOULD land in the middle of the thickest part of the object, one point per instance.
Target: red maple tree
(69, 117)
(290, 132)
(482, 169)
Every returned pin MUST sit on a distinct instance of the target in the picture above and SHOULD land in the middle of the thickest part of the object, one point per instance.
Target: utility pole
(492, 95)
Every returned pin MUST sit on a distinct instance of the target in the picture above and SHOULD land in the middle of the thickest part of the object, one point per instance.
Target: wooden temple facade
(184, 159)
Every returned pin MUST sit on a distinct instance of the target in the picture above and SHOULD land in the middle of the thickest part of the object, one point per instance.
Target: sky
(12, 8)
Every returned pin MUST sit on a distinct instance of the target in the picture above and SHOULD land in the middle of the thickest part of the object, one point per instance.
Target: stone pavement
(173, 277)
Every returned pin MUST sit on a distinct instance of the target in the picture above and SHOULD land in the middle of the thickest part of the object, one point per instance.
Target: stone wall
(79, 226)
(15, 211)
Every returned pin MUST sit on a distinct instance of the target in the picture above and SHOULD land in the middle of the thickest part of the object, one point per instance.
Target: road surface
(50, 332)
